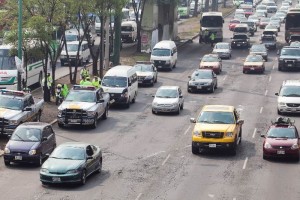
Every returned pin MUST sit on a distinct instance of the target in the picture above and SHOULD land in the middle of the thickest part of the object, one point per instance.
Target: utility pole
(107, 44)
(19, 79)
(117, 40)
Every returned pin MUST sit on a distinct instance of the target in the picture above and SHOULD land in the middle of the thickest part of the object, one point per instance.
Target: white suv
(289, 97)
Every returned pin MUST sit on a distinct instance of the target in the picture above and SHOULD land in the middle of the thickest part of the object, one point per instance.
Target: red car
(281, 140)
(233, 23)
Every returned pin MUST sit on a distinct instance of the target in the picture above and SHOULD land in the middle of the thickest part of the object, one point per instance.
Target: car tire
(195, 150)
(6, 163)
(134, 98)
(212, 89)
(241, 133)
(40, 161)
(61, 125)
(127, 105)
(278, 112)
(94, 125)
(181, 107)
(38, 116)
(216, 86)
(153, 112)
(83, 177)
(62, 63)
(265, 157)
(105, 114)
(178, 110)
(44, 183)
(233, 151)
(156, 79)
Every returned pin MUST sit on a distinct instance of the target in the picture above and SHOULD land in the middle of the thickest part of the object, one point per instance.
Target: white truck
(84, 105)
(17, 107)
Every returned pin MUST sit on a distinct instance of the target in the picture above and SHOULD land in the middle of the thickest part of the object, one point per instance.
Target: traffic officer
(64, 90)
(87, 82)
(96, 82)
(212, 38)
(82, 81)
(84, 72)
(49, 81)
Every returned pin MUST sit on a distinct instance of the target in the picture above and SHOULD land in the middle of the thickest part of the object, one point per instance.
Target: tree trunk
(206, 6)
(101, 45)
(195, 14)
(224, 3)
(117, 40)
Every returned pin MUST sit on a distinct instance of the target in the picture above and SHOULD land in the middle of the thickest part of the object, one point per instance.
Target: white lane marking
(224, 77)
(187, 130)
(211, 195)
(266, 92)
(270, 78)
(273, 66)
(155, 154)
(254, 132)
(139, 196)
(245, 163)
(232, 66)
(234, 198)
(261, 109)
(166, 160)
(188, 146)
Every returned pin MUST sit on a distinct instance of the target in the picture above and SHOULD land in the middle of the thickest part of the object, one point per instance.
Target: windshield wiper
(221, 122)
(20, 138)
(293, 95)
(272, 137)
(204, 121)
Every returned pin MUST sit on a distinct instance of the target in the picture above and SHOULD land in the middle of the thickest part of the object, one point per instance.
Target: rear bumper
(253, 69)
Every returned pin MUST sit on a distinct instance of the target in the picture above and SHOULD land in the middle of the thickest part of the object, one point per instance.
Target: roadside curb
(194, 37)
(53, 122)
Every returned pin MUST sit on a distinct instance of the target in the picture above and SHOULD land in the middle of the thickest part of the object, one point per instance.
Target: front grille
(293, 104)
(19, 152)
(212, 134)
(159, 62)
(164, 105)
(281, 147)
(141, 78)
(3, 122)
(74, 113)
(114, 95)
(57, 172)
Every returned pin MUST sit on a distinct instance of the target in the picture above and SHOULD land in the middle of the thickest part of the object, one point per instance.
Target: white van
(164, 55)
(84, 53)
(74, 35)
(128, 31)
(121, 84)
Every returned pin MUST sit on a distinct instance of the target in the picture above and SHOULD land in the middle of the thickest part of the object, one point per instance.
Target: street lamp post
(20, 2)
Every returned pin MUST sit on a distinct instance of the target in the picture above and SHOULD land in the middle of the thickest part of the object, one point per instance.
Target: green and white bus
(184, 8)
(33, 73)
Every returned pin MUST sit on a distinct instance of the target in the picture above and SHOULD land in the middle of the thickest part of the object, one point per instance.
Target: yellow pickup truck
(217, 127)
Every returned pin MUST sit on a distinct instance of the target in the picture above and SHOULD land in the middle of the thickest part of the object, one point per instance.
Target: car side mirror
(240, 121)
(189, 76)
(89, 157)
(181, 96)
(192, 120)
(153, 95)
(27, 109)
(100, 101)
(47, 155)
(44, 139)
(262, 135)
(276, 94)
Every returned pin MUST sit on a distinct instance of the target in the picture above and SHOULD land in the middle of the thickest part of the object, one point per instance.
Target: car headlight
(44, 170)
(174, 104)
(149, 77)
(72, 171)
(155, 104)
(90, 113)
(281, 104)
(295, 146)
(13, 122)
(267, 146)
(197, 133)
(6, 150)
(32, 152)
(59, 112)
(168, 62)
(191, 83)
(125, 94)
(229, 134)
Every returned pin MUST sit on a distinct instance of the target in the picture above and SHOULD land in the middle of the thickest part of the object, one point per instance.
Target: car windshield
(271, 4)
(68, 152)
(295, 44)
(11, 103)
(234, 21)
(126, 28)
(249, 23)
(222, 46)
(240, 37)
(71, 38)
(72, 47)
(26, 134)
(143, 68)
(290, 52)
(281, 132)
(166, 93)
(261, 7)
(270, 27)
(161, 52)
(210, 59)
(290, 91)
(216, 117)
(254, 59)
(257, 48)
(240, 29)
(201, 75)
(7, 61)
(81, 96)
(114, 81)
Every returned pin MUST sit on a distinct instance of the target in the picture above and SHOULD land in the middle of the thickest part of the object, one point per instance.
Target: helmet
(59, 86)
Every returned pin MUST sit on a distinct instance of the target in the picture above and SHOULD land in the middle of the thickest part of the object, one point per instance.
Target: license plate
(212, 145)
(73, 120)
(290, 65)
(56, 179)
(140, 81)
(159, 66)
(252, 68)
(238, 45)
(18, 157)
(294, 109)
(281, 152)
(199, 87)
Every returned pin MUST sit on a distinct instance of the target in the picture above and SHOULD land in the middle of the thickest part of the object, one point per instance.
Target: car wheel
(94, 125)
(178, 110)
(153, 112)
(233, 150)
(156, 79)
(100, 166)
(279, 112)
(265, 157)
(181, 107)
(83, 177)
(40, 161)
(195, 150)
(61, 125)
(7, 163)
(240, 136)
(216, 86)
(127, 105)
(212, 89)
(105, 114)
(38, 117)
(44, 183)
(133, 100)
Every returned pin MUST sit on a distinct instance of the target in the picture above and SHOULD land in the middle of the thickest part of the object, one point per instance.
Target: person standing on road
(49, 81)
(64, 90)
(84, 72)
(96, 82)
(206, 36)
(212, 38)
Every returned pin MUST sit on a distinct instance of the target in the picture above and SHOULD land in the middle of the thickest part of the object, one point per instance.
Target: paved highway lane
(149, 156)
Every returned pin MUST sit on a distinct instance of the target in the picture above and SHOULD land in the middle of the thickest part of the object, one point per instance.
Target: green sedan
(71, 162)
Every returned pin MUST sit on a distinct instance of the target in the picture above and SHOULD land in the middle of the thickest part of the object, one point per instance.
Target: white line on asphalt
(211, 195)
(155, 154)
(139, 196)
(188, 146)
(187, 130)
(266, 92)
(261, 109)
(270, 78)
(232, 66)
(166, 160)
(224, 78)
(273, 66)
(53, 122)
(245, 163)
(234, 198)
(254, 132)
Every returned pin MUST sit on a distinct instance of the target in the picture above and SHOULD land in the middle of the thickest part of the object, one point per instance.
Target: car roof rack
(285, 121)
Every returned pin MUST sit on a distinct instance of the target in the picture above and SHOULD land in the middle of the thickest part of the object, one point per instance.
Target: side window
(133, 78)
(31, 101)
(179, 91)
(99, 95)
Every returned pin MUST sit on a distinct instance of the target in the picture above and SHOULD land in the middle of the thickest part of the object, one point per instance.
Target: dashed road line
(232, 66)
(155, 154)
(139, 196)
(166, 160)
(187, 146)
(234, 198)
(187, 130)
(245, 163)
(224, 77)
(273, 67)
(211, 195)
(261, 109)
(270, 78)
(254, 132)
(266, 92)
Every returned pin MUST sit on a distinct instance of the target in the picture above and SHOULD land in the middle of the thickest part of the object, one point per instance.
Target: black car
(30, 143)
(240, 40)
(269, 41)
(202, 79)
(289, 58)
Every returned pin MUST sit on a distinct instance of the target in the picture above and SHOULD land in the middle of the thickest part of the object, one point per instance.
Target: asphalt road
(149, 156)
